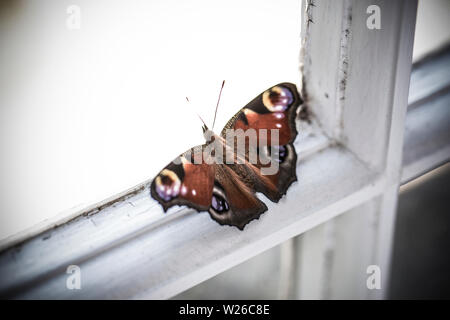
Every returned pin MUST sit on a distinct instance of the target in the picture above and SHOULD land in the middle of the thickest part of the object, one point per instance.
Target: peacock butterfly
(222, 179)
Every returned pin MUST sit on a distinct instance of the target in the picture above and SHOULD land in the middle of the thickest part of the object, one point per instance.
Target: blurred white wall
(432, 27)
(87, 113)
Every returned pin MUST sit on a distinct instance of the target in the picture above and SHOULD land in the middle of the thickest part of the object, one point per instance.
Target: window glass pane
(92, 97)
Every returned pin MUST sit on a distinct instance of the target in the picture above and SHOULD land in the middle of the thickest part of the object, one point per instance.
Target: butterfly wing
(275, 108)
(233, 201)
(187, 180)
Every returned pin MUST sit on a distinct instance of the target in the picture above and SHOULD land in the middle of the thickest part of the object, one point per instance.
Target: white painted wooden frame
(356, 84)
(357, 81)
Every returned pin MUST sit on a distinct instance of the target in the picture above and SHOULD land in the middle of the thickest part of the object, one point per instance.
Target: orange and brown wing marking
(268, 121)
(275, 108)
(197, 184)
(182, 182)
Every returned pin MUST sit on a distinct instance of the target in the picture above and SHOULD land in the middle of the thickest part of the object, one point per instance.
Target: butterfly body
(220, 178)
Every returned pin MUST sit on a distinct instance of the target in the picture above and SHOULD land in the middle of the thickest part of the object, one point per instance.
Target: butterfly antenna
(217, 106)
(204, 124)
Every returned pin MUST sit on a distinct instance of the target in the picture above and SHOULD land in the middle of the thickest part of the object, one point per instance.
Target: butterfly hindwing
(234, 202)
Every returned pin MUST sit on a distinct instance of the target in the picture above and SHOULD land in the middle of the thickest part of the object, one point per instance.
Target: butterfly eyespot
(280, 153)
(277, 99)
(167, 185)
(219, 203)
